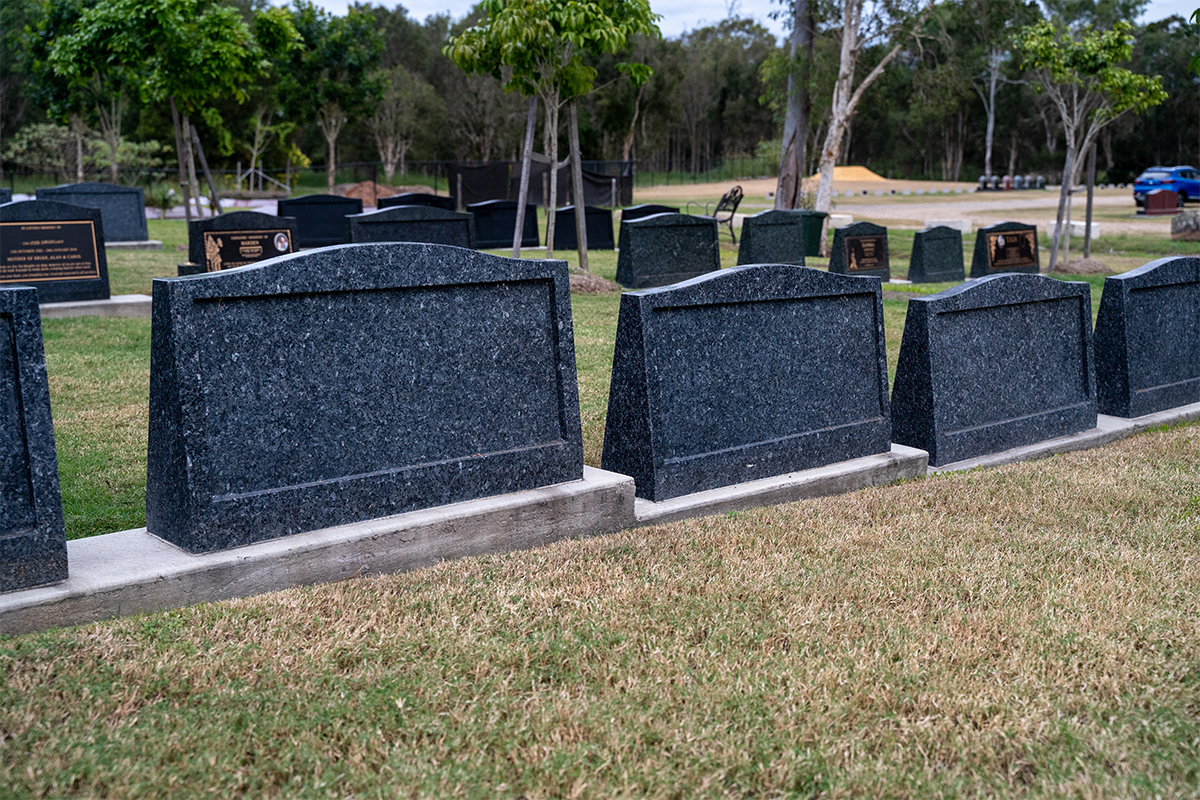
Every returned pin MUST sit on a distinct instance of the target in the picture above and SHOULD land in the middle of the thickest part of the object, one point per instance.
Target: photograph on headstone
(355, 382)
(860, 248)
(320, 218)
(772, 237)
(992, 364)
(599, 228)
(33, 543)
(413, 224)
(496, 220)
(1148, 339)
(1007, 247)
(123, 208)
(667, 248)
(746, 373)
(417, 199)
(57, 248)
(937, 256)
(237, 239)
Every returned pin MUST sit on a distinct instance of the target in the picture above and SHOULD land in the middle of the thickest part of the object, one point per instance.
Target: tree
(406, 104)
(793, 147)
(1081, 76)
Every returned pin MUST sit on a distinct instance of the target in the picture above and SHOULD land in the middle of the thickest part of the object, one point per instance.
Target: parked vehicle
(1184, 181)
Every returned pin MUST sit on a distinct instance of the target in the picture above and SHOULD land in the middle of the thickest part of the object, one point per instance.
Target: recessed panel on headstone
(646, 210)
(667, 248)
(937, 255)
(772, 237)
(496, 220)
(1007, 247)
(743, 374)
(1148, 339)
(122, 208)
(599, 228)
(33, 544)
(993, 364)
(355, 382)
(424, 224)
(320, 218)
(239, 238)
(55, 247)
(860, 248)
(417, 199)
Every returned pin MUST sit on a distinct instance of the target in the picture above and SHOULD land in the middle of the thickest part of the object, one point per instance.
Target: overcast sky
(685, 15)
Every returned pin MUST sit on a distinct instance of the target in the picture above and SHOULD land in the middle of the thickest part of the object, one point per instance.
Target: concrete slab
(132, 571)
(119, 305)
(144, 244)
(845, 476)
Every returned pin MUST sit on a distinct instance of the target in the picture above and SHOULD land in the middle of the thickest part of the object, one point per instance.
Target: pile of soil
(1084, 266)
(367, 191)
(591, 284)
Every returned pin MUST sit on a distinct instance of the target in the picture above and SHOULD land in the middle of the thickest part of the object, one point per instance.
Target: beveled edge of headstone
(942, 230)
(730, 281)
(414, 213)
(321, 199)
(1022, 287)
(668, 220)
(862, 228)
(90, 187)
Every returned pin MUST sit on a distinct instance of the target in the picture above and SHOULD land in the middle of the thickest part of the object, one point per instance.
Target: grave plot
(55, 247)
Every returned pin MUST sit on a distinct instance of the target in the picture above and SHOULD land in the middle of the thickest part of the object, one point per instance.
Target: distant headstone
(417, 199)
(55, 247)
(1148, 339)
(5, 196)
(860, 249)
(599, 228)
(744, 374)
(123, 208)
(1162, 202)
(667, 248)
(772, 237)
(33, 543)
(1007, 247)
(937, 255)
(237, 239)
(1006, 183)
(320, 218)
(1185, 226)
(495, 221)
(355, 382)
(414, 224)
(983, 183)
(1001, 362)
(646, 210)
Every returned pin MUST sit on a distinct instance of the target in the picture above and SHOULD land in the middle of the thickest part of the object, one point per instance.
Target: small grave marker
(414, 224)
(666, 248)
(860, 249)
(320, 218)
(237, 239)
(123, 208)
(55, 247)
(599, 228)
(646, 210)
(937, 255)
(417, 199)
(1007, 247)
(1161, 202)
(495, 221)
(772, 237)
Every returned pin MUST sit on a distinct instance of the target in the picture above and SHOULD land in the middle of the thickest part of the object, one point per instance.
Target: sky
(685, 15)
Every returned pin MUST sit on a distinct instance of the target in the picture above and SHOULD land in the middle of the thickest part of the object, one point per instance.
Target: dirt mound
(851, 174)
(591, 284)
(1084, 266)
(367, 191)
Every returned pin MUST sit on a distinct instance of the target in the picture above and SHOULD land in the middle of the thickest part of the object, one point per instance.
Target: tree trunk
(995, 58)
(1091, 188)
(330, 122)
(627, 147)
(213, 197)
(552, 204)
(1063, 194)
(526, 163)
(577, 182)
(793, 152)
(190, 160)
(77, 129)
(179, 156)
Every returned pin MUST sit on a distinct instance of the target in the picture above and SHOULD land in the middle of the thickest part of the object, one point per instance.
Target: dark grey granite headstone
(772, 237)
(123, 208)
(992, 364)
(599, 224)
(744, 374)
(495, 221)
(1148, 339)
(320, 218)
(417, 199)
(667, 248)
(5, 196)
(860, 249)
(413, 224)
(1007, 247)
(937, 255)
(239, 238)
(55, 247)
(646, 210)
(355, 382)
(33, 544)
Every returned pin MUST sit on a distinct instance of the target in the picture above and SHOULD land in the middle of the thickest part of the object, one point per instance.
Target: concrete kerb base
(133, 571)
(144, 244)
(119, 305)
(845, 476)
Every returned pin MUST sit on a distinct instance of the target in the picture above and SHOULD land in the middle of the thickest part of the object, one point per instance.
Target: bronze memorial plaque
(1012, 249)
(866, 253)
(48, 251)
(229, 249)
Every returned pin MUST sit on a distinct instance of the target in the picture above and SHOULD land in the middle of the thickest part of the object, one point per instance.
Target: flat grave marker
(123, 208)
(424, 224)
(667, 248)
(55, 247)
(937, 255)
(237, 239)
(320, 218)
(1007, 247)
(860, 248)
(599, 228)
(495, 221)
(772, 237)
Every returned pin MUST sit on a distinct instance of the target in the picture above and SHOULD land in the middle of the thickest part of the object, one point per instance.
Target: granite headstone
(5, 196)
(995, 363)
(57, 248)
(646, 210)
(1161, 202)
(33, 543)
(1148, 338)
(424, 224)
(743, 374)
(1007, 247)
(937, 255)
(667, 248)
(320, 218)
(772, 237)
(237, 239)
(417, 199)
(599, 224)
(860, 248)
(123, 208)
(495, 221)
(355, 382)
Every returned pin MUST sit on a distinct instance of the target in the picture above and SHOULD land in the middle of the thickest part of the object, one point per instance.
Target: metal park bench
(728, 204)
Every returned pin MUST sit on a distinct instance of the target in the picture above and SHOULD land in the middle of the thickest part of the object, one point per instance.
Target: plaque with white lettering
(1008, 250)
(867, 253)
(48, 251)
(229, 249)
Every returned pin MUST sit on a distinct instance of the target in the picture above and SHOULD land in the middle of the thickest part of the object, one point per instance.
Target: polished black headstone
(417, 199)
(123, 208)
(5, 196)
(992, 364)
(937, 255)
(33, 543)
(646, 210)
(320, 218)
(772, 237)
(239, 238)
(599, 224)
(355, 382)
(860, 249)
(424, 224)
(495, 221)
(1007, 247)
(743, 374)
(55, 247)
(1148, 339)
(667, 248)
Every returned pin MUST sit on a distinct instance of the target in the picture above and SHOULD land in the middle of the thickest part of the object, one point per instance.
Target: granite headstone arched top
(937, 255)
(667, 248)
(58, 248)
(417, 199)
(772, 237)
(123, 208)
(413, 224)
(320, 218)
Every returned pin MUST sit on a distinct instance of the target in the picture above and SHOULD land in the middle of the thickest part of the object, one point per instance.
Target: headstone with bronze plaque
(860, 249)
(237, 239)
(54, 247)
(1007, 247)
